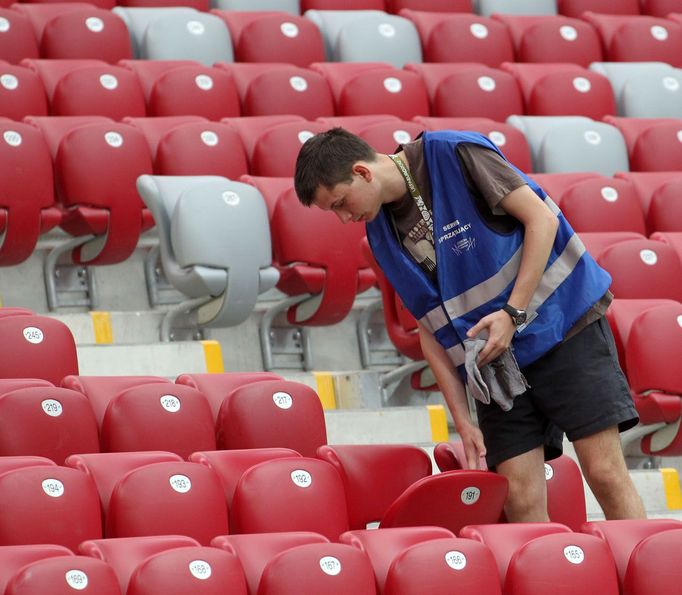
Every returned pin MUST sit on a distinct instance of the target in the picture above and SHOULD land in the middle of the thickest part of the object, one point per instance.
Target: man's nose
(344, 216)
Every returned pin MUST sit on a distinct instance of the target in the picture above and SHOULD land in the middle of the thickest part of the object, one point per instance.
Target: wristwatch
(518, 316)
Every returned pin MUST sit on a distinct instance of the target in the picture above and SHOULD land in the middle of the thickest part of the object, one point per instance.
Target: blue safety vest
(477, 266)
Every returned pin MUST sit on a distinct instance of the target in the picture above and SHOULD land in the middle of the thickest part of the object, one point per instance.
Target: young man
(475, 248)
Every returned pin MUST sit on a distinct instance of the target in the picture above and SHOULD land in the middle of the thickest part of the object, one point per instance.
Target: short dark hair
(327, 159)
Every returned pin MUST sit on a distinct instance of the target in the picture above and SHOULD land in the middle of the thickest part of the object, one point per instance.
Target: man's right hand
(474, 447)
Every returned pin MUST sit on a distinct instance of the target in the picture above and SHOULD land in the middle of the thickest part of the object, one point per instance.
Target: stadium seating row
(82, 30)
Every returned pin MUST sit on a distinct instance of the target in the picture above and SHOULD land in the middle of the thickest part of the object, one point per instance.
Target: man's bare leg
(527, 500)
(602, 462)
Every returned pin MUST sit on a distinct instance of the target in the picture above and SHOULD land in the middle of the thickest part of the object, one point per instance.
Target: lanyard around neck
(414, 191)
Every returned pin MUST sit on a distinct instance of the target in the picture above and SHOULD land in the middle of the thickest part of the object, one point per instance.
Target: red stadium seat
(509, 140)
(657, 193)
(598, 241)
(191, 569)
(504, 539)
(660, 8)
(355, 124)
(21, 92)
(11, 463)
(552, 38)
(372, 87)
(148, 71)
(33, 346)
(638, 38)
(125, 554)
(655, 565)
(75, 30)
(14, 557)
(272, 414)
(274, 88)
(395, 6)
(470, 90)
(63, 575)
(384, 137)
(255, 550)
(643, 269)
(154, 128)
(341, 5)
(291, 494)
(574, 564)
(653, 143)
(374, 475)
(443, 566)
(557, 184)
(17, 39)
(562, 89)
(48, 505)
(575, 8)
(622, 536)
(229, 465)
(332, 568)
(603, 205)
(448, 37)
(271, 188)
(672, 238)
(163, 499)
(89, 87)
(106, 469)
(263, 36)
(46, 422)
(27, 206)
(384, 545)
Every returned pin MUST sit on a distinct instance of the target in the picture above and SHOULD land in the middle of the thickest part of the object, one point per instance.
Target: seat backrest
(171, 418)
(105, 469)
(575, 8)
(17, 462)
(565, 492)
(479, 498)
(332, 568)
(573, 563)
(17, 40)
(665, 210)
(384, 137)
(384, 545)
(662, 139)
(48, 422)
(155, 127)
(289, 6)
(163, 499)
(14, 557)
(251, 128)
(652, 95)
(64, 574)
(21, 92)
(330, 21)
(189, 570)
(446, 565)
(48, 505)
(374, 475)
(395, 6)
(488, 7)
(272, 414)
(34, 346)
(291, 494)
(654, 564)
(255, 550)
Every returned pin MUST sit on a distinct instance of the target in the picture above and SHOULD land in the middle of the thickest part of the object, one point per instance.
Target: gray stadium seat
(330, 23)
(137, 20)
(291, 6)
(644, 89)
(488, 7)
(215, 245)
(573, 143)
(385, 38)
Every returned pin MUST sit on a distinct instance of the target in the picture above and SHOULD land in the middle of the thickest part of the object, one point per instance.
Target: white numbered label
(592, 137)
(679, 320)
(679, 135)
(386, 30)
(304, 135)
(393, 85)
(470, 495)
(330, 565)
(659, 33)
(52, 408)
(195, 27)
(298, 83)
(574, 554)
(648, 257)
(568, 33)
(113, 139)
(289, 29)
(95, 24)
(53, 488)
(200, 569)
(108, 81)
(209, 138)
(76, 579)
(12, 138)
(670, 83)
(204, 82)
(456, 560)
(581, 84)
(498, 138)
(4, 25)
(549, 472)
(33, 335)
(609, 193)
(479, 30)
(401, 136)
(9, 82)
(283, 400)
(180, 483)
(170, 403)
(301, 478)
(230, 198)
(486, 83)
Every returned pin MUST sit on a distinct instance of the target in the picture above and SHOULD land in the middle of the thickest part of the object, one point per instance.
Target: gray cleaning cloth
(501, 380)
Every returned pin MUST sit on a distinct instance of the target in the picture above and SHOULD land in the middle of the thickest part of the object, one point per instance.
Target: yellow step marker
(214, 357)
(325, 389)
(101, 326)
(439, 423)
(671, 484)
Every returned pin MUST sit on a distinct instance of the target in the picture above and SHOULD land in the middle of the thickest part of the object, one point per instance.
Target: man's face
(352, 202)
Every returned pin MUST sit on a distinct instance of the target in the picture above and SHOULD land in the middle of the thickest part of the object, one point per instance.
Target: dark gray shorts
(577, 388)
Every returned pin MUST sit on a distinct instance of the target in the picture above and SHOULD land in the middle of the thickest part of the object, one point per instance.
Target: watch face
(520, 317)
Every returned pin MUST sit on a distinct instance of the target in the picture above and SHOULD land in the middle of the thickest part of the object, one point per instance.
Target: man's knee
(527, 498)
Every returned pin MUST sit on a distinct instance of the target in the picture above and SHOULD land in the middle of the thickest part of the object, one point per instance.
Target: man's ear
(360, 168)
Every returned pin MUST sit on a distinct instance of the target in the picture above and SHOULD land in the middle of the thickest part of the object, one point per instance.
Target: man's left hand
(501, 330)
